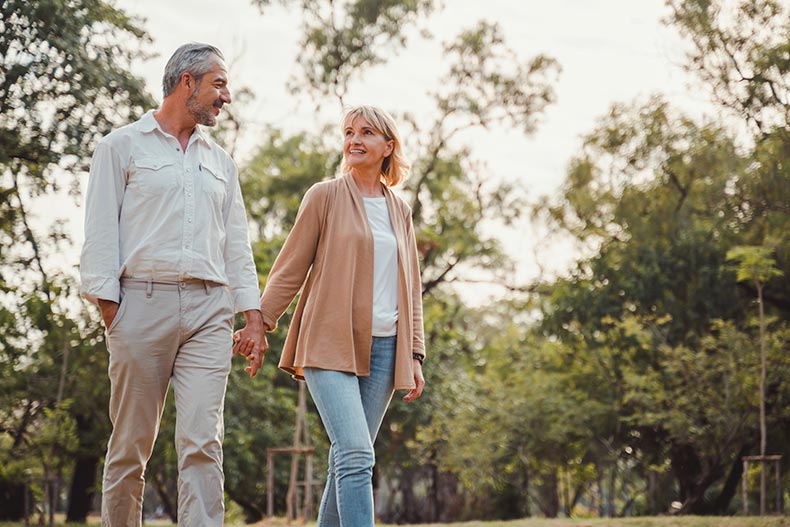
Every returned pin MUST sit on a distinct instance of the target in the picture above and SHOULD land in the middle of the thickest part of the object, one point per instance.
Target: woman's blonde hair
(395, 167)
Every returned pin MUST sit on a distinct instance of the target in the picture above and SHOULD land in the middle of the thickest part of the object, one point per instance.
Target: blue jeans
(352, 409)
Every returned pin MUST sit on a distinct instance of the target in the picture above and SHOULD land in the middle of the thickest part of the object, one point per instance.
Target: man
(167, 258)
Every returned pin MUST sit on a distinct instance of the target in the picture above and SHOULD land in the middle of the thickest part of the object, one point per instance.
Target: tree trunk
(83, 484)
(610, 493)
(12, 500)
(731, 485)
(525, 490)
(170, 505)
(763, 428)
(410, 511)
(549, 502)
(433, 506)
(251, 509)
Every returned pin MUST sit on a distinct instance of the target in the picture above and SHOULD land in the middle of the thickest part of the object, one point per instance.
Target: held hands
(250, 341)
(419, 381)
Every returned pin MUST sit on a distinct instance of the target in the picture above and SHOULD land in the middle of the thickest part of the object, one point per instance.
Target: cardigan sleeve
(292, 264)
(418, 339)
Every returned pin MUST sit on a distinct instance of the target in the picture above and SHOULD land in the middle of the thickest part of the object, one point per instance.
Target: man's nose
(224, 95)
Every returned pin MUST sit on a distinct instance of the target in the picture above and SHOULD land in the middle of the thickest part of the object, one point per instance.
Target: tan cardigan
(331, 245)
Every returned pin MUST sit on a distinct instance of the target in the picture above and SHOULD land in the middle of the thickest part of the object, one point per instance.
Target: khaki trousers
(180, 333)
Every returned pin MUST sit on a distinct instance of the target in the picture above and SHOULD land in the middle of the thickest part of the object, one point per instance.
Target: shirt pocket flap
(151, 163)
(215, 171)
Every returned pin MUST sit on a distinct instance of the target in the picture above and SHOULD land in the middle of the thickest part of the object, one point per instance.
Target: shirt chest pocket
(154, 176)
(214, 182)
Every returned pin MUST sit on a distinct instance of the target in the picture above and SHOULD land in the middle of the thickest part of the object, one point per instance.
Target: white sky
(609, 51)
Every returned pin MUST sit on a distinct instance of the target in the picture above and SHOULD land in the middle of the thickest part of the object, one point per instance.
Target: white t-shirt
(385, 268)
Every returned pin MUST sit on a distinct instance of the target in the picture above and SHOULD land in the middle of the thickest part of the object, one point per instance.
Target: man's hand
(250, 341)
(108, 311)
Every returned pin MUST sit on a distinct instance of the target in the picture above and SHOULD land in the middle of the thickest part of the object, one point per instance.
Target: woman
(357, 332)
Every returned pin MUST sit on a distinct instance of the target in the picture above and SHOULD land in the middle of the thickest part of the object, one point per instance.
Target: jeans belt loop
(149, 290)
(205, 285)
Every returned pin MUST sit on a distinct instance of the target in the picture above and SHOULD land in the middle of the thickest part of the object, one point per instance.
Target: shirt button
(189, 194)
(189, 220)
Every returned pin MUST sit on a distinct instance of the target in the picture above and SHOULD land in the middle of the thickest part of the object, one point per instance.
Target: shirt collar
(201, 136)
(148, 124)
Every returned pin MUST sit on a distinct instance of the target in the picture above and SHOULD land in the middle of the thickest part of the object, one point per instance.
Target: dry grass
(652, 521)
(663, 521)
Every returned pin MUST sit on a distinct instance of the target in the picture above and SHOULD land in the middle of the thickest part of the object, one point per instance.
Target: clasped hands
(250, 341)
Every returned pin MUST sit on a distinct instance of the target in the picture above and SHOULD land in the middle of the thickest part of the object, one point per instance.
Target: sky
(609, 50)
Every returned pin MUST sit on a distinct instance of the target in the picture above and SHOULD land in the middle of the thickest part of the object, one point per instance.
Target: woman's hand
(251, 342)
(419, 382)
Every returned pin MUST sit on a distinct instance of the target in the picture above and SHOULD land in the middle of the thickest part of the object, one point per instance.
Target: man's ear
(187, 80)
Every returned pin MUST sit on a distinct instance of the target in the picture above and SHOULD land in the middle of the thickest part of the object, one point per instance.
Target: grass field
(653, 521)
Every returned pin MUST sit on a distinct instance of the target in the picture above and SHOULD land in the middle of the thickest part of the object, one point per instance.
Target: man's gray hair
(193, 58)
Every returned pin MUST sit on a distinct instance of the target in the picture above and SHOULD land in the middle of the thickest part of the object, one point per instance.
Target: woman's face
(364, 147)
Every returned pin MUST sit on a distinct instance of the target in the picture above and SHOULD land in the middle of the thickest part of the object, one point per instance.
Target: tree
(342, 40)
(739, 52)
(651, 192)
(64, 83)
(756, 265)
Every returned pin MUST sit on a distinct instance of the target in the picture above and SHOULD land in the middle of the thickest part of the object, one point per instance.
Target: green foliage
(739, 50)
(754, 263)
(665, 203)
(343, 39)
(488, 84)
(64, 82)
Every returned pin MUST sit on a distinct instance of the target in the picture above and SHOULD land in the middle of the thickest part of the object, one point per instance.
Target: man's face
(209, 94)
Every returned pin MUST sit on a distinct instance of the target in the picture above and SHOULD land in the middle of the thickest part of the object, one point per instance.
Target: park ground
(651, 521)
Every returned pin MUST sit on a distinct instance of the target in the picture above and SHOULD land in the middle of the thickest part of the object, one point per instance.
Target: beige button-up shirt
(155, 212)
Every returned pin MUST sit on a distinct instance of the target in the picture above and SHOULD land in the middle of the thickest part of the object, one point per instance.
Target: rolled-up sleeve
(239, 263)
(100, 259)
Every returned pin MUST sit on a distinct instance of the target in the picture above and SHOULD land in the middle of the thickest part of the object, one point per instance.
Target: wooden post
(776, 459)
(745, 490)
(293, 487)
(301, 446)
(779, 503)
(308, 468)
(269, 483)
(308, 487)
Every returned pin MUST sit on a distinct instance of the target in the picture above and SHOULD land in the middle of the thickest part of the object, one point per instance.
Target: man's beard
(201, 114)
